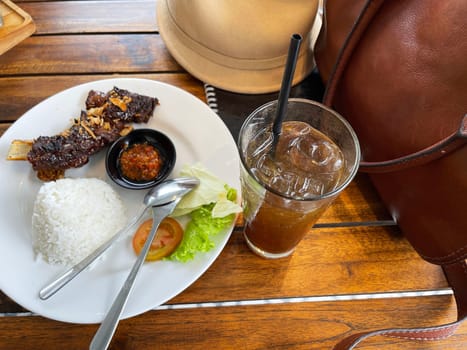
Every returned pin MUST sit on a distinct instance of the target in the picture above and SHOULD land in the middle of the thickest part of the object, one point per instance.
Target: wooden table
(353, 272)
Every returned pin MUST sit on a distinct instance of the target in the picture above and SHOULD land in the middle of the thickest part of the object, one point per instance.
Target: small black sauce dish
(158, 140)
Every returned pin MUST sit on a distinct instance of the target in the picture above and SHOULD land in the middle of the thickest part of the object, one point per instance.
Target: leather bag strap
(369, 10)
(456, 273)
(433, 152)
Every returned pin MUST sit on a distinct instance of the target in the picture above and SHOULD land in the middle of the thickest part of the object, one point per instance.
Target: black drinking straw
(286, 85)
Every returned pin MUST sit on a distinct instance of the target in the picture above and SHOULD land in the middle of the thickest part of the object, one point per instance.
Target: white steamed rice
(72, 217)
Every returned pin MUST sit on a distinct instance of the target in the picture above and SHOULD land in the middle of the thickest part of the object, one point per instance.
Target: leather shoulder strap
(456, 274)
(441, 148)
(433, 152)
(369, 10)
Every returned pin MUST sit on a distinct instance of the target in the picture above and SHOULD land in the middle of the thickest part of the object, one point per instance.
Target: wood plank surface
(55, 17)
(355, 256)
(85, 54)
(273, 326)
(4, 127)
(19, 94)
(329, 261)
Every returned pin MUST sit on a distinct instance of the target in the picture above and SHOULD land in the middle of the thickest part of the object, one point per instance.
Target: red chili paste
(140, 162)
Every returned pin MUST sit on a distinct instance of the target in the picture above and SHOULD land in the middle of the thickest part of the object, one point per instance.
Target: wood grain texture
(79, 54)
(4, 127)
(283, 326)
(355, 251)
(329, 261)
(55, 17)
(19, 94)
(16, 25)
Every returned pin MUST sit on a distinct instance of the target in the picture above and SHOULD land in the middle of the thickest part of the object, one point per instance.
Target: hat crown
(239, 45)
(245, 29)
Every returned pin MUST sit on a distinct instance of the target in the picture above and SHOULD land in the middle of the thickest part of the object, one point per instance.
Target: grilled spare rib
(106, 118)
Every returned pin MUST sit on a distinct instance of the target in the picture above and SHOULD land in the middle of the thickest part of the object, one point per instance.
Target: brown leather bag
(397, 71)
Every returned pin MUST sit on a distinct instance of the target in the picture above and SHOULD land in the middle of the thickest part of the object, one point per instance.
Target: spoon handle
(107, 329)
(57, 284)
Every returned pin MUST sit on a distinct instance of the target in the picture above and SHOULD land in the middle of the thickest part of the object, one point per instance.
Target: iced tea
(288, 184)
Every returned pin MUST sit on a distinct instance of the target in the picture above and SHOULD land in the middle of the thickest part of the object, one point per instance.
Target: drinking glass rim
(329, 194)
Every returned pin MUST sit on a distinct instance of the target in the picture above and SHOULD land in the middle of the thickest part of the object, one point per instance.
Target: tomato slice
(169, 235)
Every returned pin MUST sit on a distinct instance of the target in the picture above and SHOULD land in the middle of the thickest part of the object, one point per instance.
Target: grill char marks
(123, 105)
(107, 117)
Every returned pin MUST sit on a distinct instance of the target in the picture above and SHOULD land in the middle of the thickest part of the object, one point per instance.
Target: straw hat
(239, 45)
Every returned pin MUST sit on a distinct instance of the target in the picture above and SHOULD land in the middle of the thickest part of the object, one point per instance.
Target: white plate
(199, 135)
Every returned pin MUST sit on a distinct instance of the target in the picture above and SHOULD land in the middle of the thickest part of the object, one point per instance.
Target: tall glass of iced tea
(288, 182)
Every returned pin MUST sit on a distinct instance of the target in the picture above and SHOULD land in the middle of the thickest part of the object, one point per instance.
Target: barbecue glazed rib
(106, 118)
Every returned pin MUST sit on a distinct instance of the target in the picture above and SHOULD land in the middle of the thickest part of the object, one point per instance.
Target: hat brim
(235, 79)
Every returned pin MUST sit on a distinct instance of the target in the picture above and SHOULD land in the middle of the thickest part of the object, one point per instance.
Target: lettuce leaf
(210, 190)
(211, 206)
(199, 232)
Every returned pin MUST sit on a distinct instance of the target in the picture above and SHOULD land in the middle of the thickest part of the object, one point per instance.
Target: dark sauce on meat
(106, 118)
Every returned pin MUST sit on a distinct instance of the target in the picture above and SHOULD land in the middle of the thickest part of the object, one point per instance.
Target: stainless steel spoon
(159, 195)
(168, 195)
